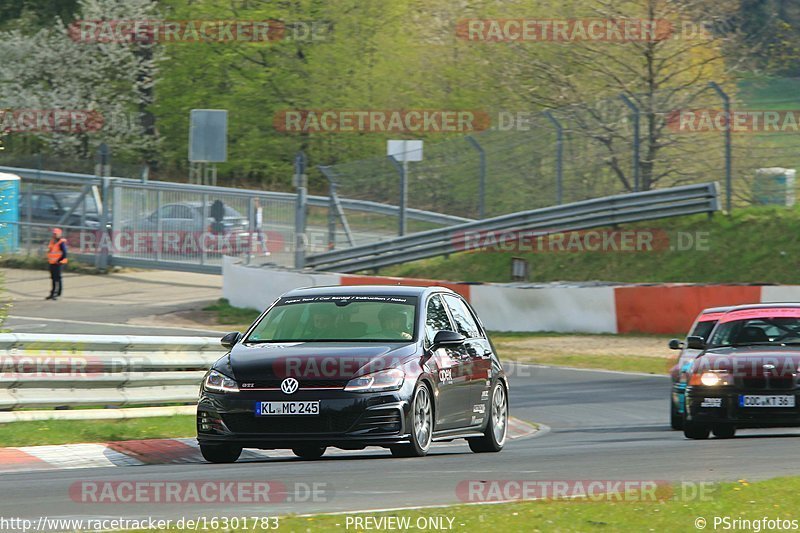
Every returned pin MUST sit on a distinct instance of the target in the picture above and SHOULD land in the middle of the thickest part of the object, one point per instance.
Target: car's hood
(311, 361)
(751, 361)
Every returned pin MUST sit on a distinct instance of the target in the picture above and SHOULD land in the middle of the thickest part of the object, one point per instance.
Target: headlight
(384, 380)
(220, 383)
(711, 379)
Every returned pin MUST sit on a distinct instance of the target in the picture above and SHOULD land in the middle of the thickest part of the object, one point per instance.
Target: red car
(701, 327)
(747, 373)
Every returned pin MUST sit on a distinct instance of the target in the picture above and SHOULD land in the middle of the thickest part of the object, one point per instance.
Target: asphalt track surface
(602, 426)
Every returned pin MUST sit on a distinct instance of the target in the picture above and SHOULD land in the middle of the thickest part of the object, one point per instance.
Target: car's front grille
(380, 421)
(273, 425)
(304, 383)
(768, 383)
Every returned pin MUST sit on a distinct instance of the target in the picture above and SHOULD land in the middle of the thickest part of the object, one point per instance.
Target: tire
(494, 438)
(726, 431)
(675, 418)
(220, 453)
(421, 425)
(309, 453)
(695, 431)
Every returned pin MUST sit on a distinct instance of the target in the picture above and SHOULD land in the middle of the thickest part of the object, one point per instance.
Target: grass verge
(34, 262)
(230, 315)
(621, 363)
(76, 431)
(772, 499)
(750, 245)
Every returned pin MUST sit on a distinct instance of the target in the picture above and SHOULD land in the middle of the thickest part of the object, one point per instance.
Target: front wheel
(220, 453)
(496, 430)
(309, 453)
(726, 431)
(695, 431)
(675, 418)
(421, 425)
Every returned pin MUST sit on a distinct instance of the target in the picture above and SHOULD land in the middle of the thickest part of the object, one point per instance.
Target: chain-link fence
(612, 146)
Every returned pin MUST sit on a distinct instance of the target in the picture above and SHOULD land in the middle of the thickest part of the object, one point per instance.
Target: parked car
(701, 327)
(391, 366)
(49, 207)
(187, 227)
(746, 375)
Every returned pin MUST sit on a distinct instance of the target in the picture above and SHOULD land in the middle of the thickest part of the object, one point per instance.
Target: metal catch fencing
(67, 371)
(167, 225)
(599, 212)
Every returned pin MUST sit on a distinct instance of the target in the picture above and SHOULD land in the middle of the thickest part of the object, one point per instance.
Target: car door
(477, 363)
(450, 369)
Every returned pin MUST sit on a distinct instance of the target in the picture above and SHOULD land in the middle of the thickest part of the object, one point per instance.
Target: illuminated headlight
(384, 380)
(219, 382)
(711, 379)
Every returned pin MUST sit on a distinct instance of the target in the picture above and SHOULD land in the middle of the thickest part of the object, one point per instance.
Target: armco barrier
(598, 212)
(52, 371)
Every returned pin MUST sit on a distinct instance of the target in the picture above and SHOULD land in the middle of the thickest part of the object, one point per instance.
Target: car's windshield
(355, 318)
(757, 331)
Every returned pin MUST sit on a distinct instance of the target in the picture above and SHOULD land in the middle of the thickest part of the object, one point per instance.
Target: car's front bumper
(346, 420)
(716, 406)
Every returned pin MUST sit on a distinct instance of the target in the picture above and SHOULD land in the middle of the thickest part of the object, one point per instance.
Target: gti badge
(289, 385)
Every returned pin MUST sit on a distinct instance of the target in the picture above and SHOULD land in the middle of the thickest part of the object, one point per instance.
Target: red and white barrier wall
(667, 308)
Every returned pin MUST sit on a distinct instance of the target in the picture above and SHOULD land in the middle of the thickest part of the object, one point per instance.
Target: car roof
(772, 305)
(723, 309)
(345, 290)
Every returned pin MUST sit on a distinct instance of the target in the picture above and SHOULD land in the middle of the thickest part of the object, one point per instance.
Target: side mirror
(696, 343)
(445, 338)
(230, 339)
(675, 344)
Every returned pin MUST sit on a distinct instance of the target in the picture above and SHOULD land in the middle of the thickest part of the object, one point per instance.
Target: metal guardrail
(606, 211)
(316, 201)
(64, 371)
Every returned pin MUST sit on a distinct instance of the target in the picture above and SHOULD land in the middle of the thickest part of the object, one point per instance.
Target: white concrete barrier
(567, 309)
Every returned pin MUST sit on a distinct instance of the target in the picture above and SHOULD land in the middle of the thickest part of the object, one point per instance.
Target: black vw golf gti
(350, 367)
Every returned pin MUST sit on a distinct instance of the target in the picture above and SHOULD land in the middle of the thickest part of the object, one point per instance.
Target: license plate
(286, 408)
(765, 401)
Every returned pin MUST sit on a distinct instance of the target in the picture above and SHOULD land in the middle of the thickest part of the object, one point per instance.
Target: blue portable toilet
(9, 213)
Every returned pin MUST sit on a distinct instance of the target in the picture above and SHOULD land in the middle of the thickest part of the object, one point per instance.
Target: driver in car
(322, 323)
(394, 324)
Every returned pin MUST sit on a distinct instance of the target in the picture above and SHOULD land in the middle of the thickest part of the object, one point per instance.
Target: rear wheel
(421, 426)
(695, 431)
(495, 436)
(309, 453)
(726, 431)
(220, 453)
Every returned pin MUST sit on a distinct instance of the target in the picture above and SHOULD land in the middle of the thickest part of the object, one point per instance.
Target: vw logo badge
(289, 385)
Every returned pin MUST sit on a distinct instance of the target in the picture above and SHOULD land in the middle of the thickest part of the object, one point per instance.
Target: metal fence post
(559, 156)
(401, 169)
(628, 102)
(726, 102)
(102, 259)
(482, 178)
(301, 206)
(331, 215)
